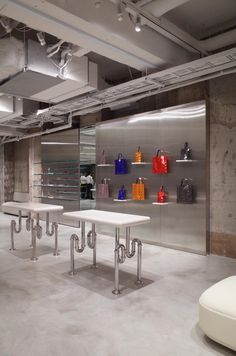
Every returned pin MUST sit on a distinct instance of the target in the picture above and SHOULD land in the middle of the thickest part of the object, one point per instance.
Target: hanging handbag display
(103, 189)
(120, 165)
(138, 190)
(161, 195)
(103, 158)
(185, 152)
(122, 193)
(138, 156)
(185, 192)
(159, 163)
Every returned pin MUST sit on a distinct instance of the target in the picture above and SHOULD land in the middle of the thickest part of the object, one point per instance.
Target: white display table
(117, 220)
(36, 229)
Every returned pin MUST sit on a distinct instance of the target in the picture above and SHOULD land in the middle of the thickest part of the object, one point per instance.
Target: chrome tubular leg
(116, 291)
(54, 230)
(94, 237)
(56, 253)
(72, 255)
(13, 223)
(139, 264)
(15, 229)
(28, 221)
(34, 236)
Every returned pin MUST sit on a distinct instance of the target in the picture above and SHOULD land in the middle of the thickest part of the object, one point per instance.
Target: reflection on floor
(87, 204)
(46, 312)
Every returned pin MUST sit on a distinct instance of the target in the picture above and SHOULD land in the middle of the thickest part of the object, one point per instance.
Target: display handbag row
(138, 190)
(103, 189)
(160, 163)
(121, 165)
(161, 195)
(186, 153)
(122, 193)
(185, 193)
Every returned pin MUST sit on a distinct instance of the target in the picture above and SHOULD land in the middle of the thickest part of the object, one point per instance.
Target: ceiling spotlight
(41, 38)
(120, 16)
(138, 24)
(97, 3)
(5, 22)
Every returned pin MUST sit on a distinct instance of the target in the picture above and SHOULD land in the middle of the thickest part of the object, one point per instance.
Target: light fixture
(97, 3)
(41, 38)
(138, 24)
(5, 22)
(120, 16)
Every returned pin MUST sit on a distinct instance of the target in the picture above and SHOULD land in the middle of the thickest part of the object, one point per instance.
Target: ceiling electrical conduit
(41, 133)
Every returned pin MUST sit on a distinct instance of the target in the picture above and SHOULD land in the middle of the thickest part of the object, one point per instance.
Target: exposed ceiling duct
(28, 71)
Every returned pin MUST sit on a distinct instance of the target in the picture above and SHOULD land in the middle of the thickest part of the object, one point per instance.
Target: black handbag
(186, 152)
(185, 193)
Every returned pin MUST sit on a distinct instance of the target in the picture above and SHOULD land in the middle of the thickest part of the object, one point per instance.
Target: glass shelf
(56, 162)
(56, 186)
(56, 174)
(140, 163)
(55, 198)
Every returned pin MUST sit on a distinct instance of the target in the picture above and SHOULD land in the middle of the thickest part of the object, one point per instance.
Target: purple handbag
(120, 165)
(103, 189)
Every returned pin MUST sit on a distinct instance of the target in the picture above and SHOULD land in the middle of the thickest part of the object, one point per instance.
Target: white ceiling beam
(97, 30)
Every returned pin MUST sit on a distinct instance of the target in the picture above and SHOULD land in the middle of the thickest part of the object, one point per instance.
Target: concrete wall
(223, 165)
(1, 174)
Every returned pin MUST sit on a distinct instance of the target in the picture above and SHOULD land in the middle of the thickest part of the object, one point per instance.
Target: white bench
(217, 312)
(19, 198)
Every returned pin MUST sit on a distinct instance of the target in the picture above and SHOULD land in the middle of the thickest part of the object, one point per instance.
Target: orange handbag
(138, 156)
(138, 190)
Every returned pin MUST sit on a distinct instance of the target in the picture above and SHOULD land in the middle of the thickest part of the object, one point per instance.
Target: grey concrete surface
(45, 312)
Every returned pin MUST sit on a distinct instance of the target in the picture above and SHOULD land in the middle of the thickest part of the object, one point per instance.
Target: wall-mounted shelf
(122, 201)
(56, 186)
(50, 163)
(55, 198)
(155, 203)
(185, 160)
(140, 163)
(105, 165)
(55, 174)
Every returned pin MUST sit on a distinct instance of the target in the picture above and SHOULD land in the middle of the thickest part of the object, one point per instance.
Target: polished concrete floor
(46, 312)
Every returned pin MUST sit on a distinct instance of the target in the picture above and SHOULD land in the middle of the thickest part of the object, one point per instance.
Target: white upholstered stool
(217, 312)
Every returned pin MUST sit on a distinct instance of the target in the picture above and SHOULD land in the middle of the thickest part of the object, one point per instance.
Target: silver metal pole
(12, 235)
(56, 253)
(94, 238)
(33, 237)
(116, 291)
(139, 264)
(72, 257)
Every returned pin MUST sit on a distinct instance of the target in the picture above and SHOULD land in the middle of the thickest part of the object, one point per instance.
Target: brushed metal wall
(175, 225)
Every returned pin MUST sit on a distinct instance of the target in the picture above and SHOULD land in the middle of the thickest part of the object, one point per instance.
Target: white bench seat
(217, 312)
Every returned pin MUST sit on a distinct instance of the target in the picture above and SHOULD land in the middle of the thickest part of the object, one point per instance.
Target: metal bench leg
(116, 291)
(15, 229)
(33, 238)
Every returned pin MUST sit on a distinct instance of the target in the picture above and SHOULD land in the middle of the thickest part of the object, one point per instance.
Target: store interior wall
(220, 96)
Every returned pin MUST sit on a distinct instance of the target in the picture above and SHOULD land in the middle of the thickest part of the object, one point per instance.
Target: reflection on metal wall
(175, 225)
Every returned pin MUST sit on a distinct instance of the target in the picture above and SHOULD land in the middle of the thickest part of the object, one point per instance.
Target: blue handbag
(120, 165)
(122, 193)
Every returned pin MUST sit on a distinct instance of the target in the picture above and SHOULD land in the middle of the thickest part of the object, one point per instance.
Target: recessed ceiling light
(138, 24)
(97, 3)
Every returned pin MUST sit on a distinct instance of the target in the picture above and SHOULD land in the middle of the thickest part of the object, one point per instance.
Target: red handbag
(161, 195)
(159, 163)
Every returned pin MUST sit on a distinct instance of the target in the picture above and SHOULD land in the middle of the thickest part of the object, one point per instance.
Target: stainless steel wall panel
(175, 225)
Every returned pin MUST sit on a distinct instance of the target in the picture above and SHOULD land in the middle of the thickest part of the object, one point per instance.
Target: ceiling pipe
(159, 7)
(41, 133)
(220, 41)
(153, 92)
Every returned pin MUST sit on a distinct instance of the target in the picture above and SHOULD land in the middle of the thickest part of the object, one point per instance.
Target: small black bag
(185, 194)
(186, 152)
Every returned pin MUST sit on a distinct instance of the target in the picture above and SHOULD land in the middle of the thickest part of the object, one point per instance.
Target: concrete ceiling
(173, 32)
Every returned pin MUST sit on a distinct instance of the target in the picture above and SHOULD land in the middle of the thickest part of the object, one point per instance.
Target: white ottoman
(217, 312)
